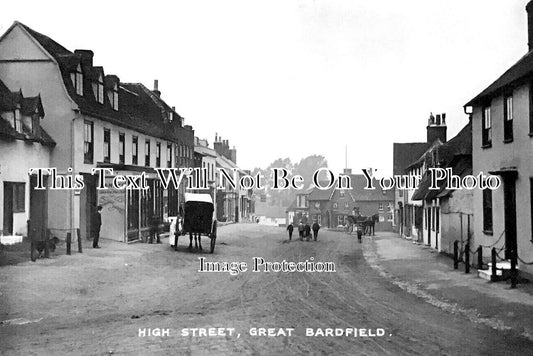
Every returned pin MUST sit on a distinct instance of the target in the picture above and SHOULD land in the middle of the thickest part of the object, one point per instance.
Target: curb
(416, 289)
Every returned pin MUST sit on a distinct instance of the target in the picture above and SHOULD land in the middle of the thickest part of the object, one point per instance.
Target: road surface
(103, 302)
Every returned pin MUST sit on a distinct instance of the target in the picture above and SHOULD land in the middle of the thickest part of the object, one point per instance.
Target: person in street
(301, 230)
(154, 229)
(359, 233)
(290, 228)
(316, 227)
(307, 232)
(97, 224)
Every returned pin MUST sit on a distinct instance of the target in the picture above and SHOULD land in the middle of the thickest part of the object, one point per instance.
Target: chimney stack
(529, 9)
(436, 128)
(86, 56)
(156, 88)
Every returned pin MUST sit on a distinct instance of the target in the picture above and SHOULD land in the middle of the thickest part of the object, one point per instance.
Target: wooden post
(493, 276)
(80, 250)
(32, 243)
(513, 268)
(467, 258)
(69, 239)
(480, 257)
(46, 244)
(455, 254)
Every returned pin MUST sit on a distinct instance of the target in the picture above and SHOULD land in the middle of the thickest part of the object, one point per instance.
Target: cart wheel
(213, 236)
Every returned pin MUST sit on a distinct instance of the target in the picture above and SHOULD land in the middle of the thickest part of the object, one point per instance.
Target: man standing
(290, 228)
(301, 230)
(316, 227)
(307, 229)
(97, 223)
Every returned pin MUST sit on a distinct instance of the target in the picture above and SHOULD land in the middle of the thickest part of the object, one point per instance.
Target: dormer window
(18, 122)
(115, 97)
(77, 80)
(98, 89)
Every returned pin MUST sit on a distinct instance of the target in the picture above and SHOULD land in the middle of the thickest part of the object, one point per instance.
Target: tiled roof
(10, 101)
(520, 71)
(406, 153)
(319, 194)
(359, 193)
(139, 108)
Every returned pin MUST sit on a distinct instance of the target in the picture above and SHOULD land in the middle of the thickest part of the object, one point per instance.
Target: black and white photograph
(253, 177)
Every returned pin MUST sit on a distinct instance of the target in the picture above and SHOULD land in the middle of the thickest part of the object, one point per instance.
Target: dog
(40, 245)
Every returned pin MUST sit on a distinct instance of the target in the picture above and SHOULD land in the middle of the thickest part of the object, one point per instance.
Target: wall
(15, 161)
(515, 154)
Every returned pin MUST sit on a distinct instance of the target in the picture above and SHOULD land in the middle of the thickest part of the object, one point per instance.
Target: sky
(292, 78)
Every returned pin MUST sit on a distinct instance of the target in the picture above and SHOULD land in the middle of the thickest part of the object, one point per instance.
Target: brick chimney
(529, 9)
(86, 56)
(436, 128)
(156, 88)
(233, 155)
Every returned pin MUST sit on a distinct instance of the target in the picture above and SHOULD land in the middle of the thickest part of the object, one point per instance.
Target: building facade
(24, 144)
(99, 123)
(502, 144)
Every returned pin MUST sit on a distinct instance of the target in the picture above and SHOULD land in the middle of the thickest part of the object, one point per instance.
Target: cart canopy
(205, 198)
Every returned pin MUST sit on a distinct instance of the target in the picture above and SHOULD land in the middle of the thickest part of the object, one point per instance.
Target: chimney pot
(529, 10)
(156, 84)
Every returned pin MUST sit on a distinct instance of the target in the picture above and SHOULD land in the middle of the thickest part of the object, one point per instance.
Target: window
(380, 206)
(18, 121)
(121, 147)
(169, 155)
(18, 197)
(107, 145)
(340, 220)
(335, 205)
(346, 205)
(158, 154)
(301, 201)
(147, 153)
(531, 204)
(114, 102)
(487, 211)
(88, 141)
(77, 80)
(508, 119)
(98, 89)
(486, 126)
(134, 149)
(531, 109)
(342, 193)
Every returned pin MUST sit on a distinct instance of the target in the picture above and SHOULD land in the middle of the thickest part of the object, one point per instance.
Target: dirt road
(100, 301)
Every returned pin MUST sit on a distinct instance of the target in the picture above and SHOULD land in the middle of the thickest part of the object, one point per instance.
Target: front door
(8, 208)
(509, 201)
(38, 210)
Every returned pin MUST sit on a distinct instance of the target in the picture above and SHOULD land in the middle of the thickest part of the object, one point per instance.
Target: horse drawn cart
(198, 220)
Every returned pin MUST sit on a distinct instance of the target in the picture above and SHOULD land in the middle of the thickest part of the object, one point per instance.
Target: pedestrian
(97, 224)
(316, 227)
(301, 230)
(154, 229)
(290, 228)
(307, 231)
(359, 233)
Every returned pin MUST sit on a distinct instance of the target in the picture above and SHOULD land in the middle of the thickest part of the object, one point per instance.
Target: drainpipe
(72, 165)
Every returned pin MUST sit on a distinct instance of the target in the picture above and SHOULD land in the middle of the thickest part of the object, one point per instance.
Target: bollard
(32, 243)
(467, 258)
(69, 238)
(455, 254)
(47, 244)
(513, 268)
(493, 276)
(80, 250)
(480, 257)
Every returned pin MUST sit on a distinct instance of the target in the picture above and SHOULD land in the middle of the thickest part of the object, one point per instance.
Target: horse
(369, 224)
